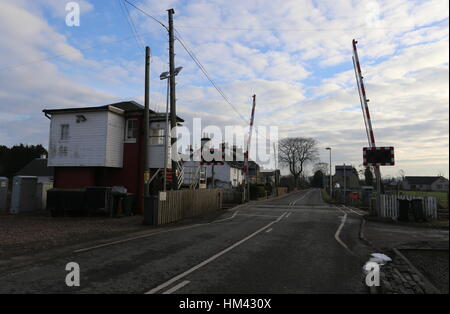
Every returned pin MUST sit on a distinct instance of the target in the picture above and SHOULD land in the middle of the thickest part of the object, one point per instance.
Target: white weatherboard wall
(156, 151)
(115, 135)
(96, 142)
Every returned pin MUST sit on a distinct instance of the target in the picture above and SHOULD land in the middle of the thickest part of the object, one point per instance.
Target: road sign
(378, 156)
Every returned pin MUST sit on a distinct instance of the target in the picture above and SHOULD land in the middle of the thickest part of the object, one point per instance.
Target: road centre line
(212, 258)
(301, 198)
(268, 230)
(288, 214)
(177, 287)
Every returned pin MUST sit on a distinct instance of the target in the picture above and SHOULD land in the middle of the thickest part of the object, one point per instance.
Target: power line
(205, 72)
(194, 58)
(127, 16)
(147, 14)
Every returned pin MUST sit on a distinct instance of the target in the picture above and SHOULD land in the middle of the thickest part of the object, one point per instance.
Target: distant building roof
(417, 180)
(37, 167)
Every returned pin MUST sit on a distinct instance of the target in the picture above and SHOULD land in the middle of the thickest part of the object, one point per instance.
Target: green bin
(128, 204)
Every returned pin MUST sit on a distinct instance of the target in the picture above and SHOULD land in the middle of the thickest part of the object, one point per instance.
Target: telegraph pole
(246, 155)
(146, 122)
(173, 110)
(276, 170)
(345, 185)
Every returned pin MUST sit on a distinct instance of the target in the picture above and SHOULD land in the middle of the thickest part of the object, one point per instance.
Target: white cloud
(294, 55)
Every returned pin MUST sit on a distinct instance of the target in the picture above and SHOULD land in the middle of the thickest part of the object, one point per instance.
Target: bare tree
(296, 153)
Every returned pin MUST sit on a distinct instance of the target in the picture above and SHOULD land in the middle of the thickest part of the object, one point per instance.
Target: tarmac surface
(294, 244)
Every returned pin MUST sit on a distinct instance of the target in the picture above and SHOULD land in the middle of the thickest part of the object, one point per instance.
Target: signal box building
(103, 146)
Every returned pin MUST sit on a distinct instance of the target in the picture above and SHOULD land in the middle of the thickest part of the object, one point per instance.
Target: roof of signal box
(119, 107)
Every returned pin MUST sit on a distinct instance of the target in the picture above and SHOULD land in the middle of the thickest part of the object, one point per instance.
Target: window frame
(64, 135)
(133, 139)
(162, 136)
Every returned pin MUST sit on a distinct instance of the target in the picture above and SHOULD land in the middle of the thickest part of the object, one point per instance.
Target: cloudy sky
(295, 55)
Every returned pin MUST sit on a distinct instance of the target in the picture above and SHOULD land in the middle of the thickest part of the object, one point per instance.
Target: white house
(226, 176)
(437, 184)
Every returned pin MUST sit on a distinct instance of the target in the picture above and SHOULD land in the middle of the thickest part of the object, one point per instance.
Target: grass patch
(326, 197)
(440, 196)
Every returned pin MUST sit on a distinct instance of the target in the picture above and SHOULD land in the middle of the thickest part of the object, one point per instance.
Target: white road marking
(353, 211)
(301, 198)
(288, 214)
(232, 217)
(177, 287)
(268, 230)
(258, 215)
(151, 234)
(338, 232)
(212, 258)
(136, 238)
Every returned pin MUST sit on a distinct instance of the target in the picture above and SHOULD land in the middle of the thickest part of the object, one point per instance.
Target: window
(131, 131)
(64, 132)
(157, 136)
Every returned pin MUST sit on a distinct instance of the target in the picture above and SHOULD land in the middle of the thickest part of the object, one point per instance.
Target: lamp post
(331, 178)
(167, 76)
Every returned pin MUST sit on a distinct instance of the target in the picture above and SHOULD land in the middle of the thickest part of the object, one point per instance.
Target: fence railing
(182, 204)
(389, 205)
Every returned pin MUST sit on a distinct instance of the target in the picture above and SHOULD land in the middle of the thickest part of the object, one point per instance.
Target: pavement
(385, 235)
(294, 244)
(420, 257)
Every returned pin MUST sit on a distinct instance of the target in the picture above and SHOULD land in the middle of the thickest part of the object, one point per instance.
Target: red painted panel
(131, 175)
(74, 177)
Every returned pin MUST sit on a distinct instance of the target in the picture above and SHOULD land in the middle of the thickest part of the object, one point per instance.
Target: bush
(257, 191)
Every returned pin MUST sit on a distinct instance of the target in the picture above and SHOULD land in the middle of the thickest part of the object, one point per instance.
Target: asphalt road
(296, 244)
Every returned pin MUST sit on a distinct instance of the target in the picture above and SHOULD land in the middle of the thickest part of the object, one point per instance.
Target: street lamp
(331, 178)
(166, 76)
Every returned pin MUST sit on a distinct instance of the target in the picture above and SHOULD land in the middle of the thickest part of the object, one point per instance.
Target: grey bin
(3, 193)
(23, 197)
(151, 210)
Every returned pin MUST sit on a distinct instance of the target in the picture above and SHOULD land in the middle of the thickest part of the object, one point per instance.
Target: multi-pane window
(64, 132)
(131, 132)
(157, 136)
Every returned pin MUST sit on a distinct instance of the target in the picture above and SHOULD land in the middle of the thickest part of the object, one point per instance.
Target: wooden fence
(232, 197)
(390, 205)
(182, 204)
(282, 191)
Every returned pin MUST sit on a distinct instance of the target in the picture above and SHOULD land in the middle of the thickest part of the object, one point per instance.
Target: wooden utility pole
(146, 122)
(173, 110)
(247, 156)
